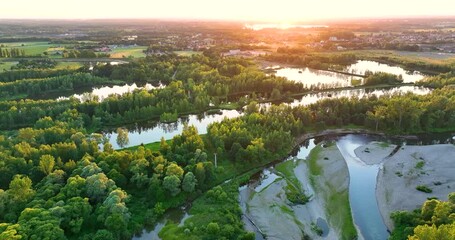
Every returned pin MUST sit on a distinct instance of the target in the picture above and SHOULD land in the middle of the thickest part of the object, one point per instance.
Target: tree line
(11, 53)
(55, 166)
(35, 87)
(434, 220)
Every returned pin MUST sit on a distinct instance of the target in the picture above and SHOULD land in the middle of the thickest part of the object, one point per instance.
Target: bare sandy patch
(431, 166)
(374, 152)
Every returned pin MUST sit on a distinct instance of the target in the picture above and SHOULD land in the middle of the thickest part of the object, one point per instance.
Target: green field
(37, 48)
(5, 66)
(124, 52)
(404, 56)
(68, 65)
(187, 53)
(31, 48)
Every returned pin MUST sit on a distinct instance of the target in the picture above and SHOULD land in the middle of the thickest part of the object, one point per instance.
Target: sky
(240, 10)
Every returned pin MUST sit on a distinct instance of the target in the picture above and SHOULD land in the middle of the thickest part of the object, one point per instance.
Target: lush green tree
(189, 182)
(77, 211)
(174, 169)
(122, 137)
(172, 184)
(103, 235)
(9, 232)
(46, 164)
(20, 189)
(98, 186)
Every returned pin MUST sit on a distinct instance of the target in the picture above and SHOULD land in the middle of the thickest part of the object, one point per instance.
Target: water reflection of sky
(169, 130)
(362, 186)
(307, 76)
(314, 77)
(313, 98)
(104, 92)
(361, 66)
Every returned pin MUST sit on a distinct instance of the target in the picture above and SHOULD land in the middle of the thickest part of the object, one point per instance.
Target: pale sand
(265, 207)
(396, 192)
(374, 152)
(334, 175)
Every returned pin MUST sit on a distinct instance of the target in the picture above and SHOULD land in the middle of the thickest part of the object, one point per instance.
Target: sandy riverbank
(332, 190)
(279, 219)
(374, 152)
(432, 166)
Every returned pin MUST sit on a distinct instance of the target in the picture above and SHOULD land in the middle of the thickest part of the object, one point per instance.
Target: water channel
(103, 92)
(362, 184)
(363, 177)
(324, 79)
(362, 189)
(148, 134)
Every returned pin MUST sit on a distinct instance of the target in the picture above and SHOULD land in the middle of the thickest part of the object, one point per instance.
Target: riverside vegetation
(57, 182)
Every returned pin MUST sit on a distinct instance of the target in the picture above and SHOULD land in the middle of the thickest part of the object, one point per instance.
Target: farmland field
(37, 48)
(124, 52)
(4, 66)
(187, 53)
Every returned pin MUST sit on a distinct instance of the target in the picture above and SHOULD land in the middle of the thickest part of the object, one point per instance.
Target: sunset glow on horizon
(240, 10)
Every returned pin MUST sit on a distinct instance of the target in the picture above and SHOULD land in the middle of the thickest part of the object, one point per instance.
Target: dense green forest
(55, 166)
(61, 179)
(434, 220)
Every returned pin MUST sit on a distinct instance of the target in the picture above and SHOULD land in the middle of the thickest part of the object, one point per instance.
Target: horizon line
(233, 20)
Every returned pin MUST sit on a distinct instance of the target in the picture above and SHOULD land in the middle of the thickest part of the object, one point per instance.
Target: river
(324, 79)
(361, 66)
(362, 189)
(103, 92)
(363, 177)
(362, 185)
(153, 132)
(148, 134)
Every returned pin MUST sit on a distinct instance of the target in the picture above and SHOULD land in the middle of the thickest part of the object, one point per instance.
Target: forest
(54, 168)
(61, 178)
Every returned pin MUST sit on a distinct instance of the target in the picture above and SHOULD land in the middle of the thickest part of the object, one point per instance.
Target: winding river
(320, 78)
(363, 177)
(148, 134)
(362, 194)
(362, 189)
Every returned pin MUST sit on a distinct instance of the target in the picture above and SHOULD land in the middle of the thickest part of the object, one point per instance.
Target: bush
(381, 78)
(169, 117)
(295, 196)
(424, 189)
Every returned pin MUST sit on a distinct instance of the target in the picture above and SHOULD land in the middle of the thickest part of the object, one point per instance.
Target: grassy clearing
(384, 144)
(187, 53)
(6, 66)
(229, 106)
(315, 168)
(68, 65)
(38, 48)
(402, 56)
(339, 211)
(30, 48)
(125, 52)
(287, 169)
(356, 82)
(336, 200)
(155, 146)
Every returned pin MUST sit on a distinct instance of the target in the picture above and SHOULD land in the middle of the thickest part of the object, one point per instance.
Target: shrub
(424, 189)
